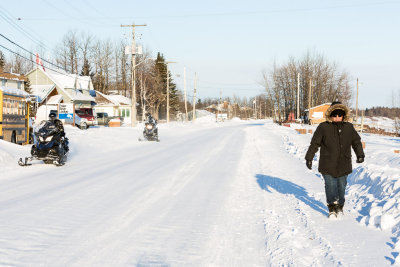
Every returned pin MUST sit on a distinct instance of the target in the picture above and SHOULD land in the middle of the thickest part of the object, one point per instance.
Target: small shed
(316, 114)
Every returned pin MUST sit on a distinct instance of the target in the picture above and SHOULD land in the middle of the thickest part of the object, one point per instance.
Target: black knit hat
(335, 103)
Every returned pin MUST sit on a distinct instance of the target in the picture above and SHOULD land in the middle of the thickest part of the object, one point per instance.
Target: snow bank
(9, 155)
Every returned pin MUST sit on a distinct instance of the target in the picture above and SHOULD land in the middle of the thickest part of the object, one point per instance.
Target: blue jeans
(335, 188)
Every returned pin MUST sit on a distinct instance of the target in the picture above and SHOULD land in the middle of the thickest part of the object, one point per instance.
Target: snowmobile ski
(26, 162)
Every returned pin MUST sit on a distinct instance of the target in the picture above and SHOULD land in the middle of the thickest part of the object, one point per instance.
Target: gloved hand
(309, 164)
(360, 160)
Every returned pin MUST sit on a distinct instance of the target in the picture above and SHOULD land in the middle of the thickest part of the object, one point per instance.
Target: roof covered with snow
(116, 100)
(76, 95)
(42, 91)
(65, 80)
(12, 76)
(13, 91)
(54, 100)
(120, 99)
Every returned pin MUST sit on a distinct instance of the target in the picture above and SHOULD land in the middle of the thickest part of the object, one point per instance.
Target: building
(52, 87)
(12, 80)
(317, 113)
(14, 108)
(113, 105)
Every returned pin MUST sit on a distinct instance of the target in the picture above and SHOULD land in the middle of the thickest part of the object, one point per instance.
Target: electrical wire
(262, 12)
(1, 35)
(57, 71)
(33, 38)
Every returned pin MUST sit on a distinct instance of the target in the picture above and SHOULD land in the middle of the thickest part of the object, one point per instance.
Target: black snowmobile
(150, 131)
(50, 145)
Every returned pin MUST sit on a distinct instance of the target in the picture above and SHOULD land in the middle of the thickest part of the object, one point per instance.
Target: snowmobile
(150, 132)
(50, 145)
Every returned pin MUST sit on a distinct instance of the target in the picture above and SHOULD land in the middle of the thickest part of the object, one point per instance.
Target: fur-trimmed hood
(337, 106)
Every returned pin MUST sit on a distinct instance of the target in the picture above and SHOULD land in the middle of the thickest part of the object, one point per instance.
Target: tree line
(315, 79)
(319, 80)
(110, 69)
(391, 113)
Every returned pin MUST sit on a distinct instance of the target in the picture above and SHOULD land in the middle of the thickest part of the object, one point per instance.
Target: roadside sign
(66, 111)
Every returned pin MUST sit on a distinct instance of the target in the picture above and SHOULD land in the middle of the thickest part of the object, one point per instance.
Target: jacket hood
(337, 106)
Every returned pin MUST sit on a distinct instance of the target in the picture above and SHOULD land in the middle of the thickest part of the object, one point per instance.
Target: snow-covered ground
(209, 194)
(383, 123)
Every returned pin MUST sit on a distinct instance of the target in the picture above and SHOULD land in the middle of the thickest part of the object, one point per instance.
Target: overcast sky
(230, 43)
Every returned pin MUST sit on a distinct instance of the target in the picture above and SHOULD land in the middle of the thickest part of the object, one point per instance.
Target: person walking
(336, 136)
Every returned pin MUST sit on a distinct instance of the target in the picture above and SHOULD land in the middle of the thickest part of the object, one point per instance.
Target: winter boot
(332, 211)
(339, 209)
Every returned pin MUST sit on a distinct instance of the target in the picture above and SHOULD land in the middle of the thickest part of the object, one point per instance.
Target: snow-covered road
(206, 195)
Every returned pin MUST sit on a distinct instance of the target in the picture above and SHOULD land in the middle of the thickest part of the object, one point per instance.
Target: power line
(231, 13)
(19, 28)
(65, 74)
(1, 35)
(33, 38)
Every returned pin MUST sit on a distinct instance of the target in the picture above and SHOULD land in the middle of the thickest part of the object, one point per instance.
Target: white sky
(229, 43)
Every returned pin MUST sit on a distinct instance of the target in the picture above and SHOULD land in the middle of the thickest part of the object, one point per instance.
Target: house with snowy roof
(52, 87)
(113, 105)
(12, 80)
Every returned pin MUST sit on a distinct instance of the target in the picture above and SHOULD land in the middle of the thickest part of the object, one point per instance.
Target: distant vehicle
(14, 116)
(150, 131)
(87, 115)
(102, 118)
(83, 116)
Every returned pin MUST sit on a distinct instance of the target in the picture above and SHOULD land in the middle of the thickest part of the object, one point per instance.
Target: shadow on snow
(289, 188)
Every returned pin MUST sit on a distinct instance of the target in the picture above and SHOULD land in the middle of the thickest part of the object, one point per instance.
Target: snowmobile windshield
(39, 126)
(46, 127)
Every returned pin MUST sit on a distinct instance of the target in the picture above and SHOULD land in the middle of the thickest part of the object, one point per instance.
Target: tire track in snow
(153, 223)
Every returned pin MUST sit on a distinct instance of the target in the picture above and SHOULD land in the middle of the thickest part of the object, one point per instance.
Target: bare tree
(68, 52)
(324, 78)
(103, 61)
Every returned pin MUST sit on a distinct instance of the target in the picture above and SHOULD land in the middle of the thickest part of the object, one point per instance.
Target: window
(19, 85)
(128, 111)
(15, 107)
(123, 113)
(3, 82)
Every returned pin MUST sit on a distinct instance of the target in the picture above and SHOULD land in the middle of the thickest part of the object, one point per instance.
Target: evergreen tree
(161, 74)
(32, 106)
(27, 86)
(86, 68)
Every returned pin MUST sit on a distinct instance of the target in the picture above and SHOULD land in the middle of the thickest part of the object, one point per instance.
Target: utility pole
(194, 96)
(357, 103)
(255, 107)
(298, 95)
(184, 86)
(309, 96)
(219, 106)
(309, 99)
(133, 75)
(167, 62)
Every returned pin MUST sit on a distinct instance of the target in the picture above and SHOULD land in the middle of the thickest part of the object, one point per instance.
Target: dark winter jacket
(335, 140)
